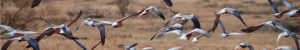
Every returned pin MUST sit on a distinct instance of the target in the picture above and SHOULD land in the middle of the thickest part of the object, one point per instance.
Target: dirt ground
(139, 30)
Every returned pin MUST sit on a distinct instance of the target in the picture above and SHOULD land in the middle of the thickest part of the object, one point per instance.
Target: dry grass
(141, 30)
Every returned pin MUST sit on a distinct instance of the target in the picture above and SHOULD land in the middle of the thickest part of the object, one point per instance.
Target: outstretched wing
(286, 4)
(80, 45)
(295, 38)
(32, 42)
(35, 3)
(223, 27)
(6, 45)
(153, 36)
(77, 17)
(168, 2)
(8, 28)
(274, 6)
(158, 12)
(281, 35)
(215, 24)
(252, 28)
(196, 22)
(237, 14)
(79, 26)
(102, 33)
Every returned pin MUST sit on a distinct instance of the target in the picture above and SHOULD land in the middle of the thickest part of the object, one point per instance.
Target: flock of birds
(174, 25)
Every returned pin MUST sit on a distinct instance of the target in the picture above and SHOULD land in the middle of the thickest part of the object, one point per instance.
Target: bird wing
(235, 33)
(80, 45)
(168, 2)
(237, 14)
(26, 32)
(77, 28)
(274, 6)
(215, 24)
(6, 44)
(196, 22)
(287, 4)
(32, 42)
(153, 36)
(178, 15)
(178, 32)
(295, 38)
(252, 28)
(35, 3)
(281, 35)
(106, 22)
(102, 33)
(77, 17)
(280, 27)
(158, 12)
(223, 27)
(8, 28)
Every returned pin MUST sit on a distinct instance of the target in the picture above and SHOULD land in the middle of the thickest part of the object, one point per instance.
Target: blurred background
(19, 15)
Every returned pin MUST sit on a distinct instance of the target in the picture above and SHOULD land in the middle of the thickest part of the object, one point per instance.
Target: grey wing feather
(79, 26)
(280, 27)
(237, 14)
(196, 22)
(6, 45)
(295, 38)
(274, 6)
(223, 27)
(286, 4)
(32, 42)
(102, 33)
(158, 12)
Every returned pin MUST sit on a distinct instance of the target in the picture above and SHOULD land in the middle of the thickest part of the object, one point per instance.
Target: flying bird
(226, 10)
(18, 35)
(290, 12)
(32, 42)
(183, 19)
(244, 45)
(273, 24)
(61, 30)
(197, 31)
(11, 32)
(152, 8)
(35, 3)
